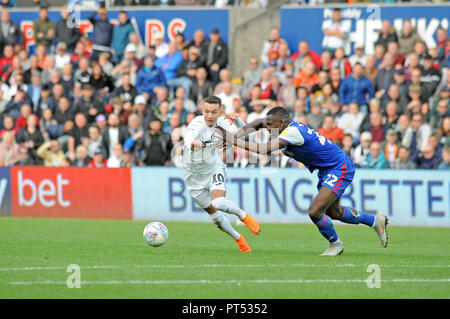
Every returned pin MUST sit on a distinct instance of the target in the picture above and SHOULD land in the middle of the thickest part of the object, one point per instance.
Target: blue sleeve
(342, 90)
(129, 143)
(370, 89)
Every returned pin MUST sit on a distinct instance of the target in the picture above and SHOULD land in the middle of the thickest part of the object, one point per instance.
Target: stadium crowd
(106, 100)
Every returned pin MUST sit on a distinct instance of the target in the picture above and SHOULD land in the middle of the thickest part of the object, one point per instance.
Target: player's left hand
(232, 117)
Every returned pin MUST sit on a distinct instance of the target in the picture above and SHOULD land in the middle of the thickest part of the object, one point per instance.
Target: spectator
(325, 61)
(9, 32)
(393, 95)
(217, 55)
(427, 158)
(304, 50)
(121, 36)
(161, 47)
(438, 117)
(115, 160)
(82, 158)
(348, 145)
(391, 115)
(445, 164)
(287, 93)
(87, 104)
(393, 51)
(335, 31)
(24, 158)
(403, 161)
(377, 129)
(34, 89)
(384, 77)
(358, 57)
(43, 28)
(103, 32)
(416, 136)
(429, 78)
(169, 63)
(201, 87)
(331, 131)
(149, 77)
(336, 80)
(400, 81)
(155, 145)
(341, 63)
(30, 136)
(363, 149)
(251, 77)
(95, 140)
(77, 134)
(67, 30)
(225, 76)
(420, 49)
(315, 117)
(270, 47)
(387, 34)
(188, 104)
(20, 98)
(126, 91)
(100, 82)
(408, 36)
(371, 69)
(307, 77)
(61, 57)
(442, 47)
(391, 146)
(140, 48)
(187, 71)
(443, 132)
(375, 159)
(356, 87)
(9, 149)
(51, 153)
(98, 160)
(113, 134)
(350, 122)
(227, 97)
(179, 109)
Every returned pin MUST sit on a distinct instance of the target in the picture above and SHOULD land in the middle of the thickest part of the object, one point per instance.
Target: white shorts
(200, 186)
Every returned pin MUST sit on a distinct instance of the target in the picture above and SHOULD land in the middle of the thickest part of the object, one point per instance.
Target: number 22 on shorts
(331, 179)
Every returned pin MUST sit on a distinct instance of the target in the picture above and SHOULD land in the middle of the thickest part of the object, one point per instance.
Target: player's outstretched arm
(261, 148)
(251, 127)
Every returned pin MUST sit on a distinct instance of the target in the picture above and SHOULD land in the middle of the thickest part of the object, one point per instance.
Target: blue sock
(353, 216)
(326, 228)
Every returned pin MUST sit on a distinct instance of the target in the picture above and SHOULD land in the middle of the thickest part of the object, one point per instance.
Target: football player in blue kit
(335, 172)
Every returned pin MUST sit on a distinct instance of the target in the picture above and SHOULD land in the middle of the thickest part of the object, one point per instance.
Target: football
(156, 234)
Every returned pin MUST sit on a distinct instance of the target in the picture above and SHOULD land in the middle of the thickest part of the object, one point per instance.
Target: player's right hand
(197, 145)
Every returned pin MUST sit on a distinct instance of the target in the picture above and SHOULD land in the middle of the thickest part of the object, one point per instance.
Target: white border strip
(221, 266)
(237, 282)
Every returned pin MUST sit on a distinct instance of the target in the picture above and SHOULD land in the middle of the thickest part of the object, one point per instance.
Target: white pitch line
(219, 266)
(238, 282)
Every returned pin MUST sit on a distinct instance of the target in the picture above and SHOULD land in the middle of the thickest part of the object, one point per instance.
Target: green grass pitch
(199, 261)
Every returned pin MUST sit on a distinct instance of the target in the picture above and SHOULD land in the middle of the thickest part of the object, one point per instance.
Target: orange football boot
(243, 246)
(252, 224)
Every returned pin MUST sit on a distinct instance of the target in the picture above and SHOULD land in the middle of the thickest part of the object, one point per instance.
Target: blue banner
(148, 22)
(5, 192)
(365, 22)
(407, 197)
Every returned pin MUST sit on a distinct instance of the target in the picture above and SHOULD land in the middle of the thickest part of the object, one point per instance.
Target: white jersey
(207, 159)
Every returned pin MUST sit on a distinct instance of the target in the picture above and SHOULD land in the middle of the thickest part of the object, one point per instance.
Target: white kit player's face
(211, 113)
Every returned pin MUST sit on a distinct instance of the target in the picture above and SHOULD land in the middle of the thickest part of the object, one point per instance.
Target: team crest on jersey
(284, 132)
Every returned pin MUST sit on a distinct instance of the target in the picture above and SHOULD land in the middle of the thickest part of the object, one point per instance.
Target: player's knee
(220, 203)
(315, 213)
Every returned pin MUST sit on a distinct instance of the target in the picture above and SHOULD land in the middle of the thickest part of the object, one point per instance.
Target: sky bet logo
(48, 192)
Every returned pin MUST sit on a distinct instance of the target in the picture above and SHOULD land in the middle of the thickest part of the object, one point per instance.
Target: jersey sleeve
(192, 133)
(292, 136)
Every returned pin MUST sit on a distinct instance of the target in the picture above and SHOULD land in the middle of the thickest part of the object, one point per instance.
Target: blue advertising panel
(5, 192)
(409, 198)
(149, 22)
(365, 23)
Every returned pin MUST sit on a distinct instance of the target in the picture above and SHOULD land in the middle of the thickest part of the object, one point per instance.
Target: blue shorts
(337, 178)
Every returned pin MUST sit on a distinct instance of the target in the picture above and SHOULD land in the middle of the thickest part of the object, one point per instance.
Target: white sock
(228, 206)
(224, 224)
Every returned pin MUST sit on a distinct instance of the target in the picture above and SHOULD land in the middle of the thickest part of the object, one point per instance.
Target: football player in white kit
(205, 173)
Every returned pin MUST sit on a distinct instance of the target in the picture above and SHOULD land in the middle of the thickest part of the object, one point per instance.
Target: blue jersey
(311, 148)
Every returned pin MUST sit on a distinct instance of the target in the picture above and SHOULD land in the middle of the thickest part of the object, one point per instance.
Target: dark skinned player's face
(276, 124)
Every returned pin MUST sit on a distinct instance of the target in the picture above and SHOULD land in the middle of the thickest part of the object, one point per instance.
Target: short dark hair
(212, 99)
(279, 112)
